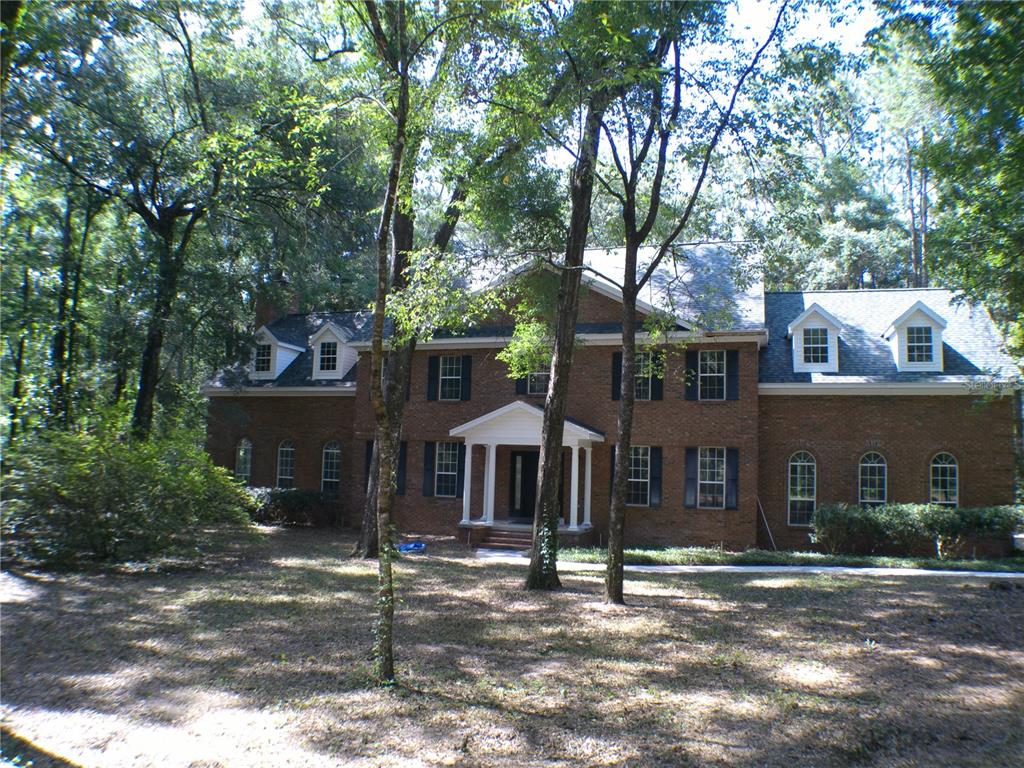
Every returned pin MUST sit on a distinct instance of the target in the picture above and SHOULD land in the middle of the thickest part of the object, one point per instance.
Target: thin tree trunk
(915, 249)
(923, 208)
(17, 386)
(543, 572)
(120, 351)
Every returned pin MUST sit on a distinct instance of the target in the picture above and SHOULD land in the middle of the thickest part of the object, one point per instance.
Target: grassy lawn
(710, 556)
(259, 658)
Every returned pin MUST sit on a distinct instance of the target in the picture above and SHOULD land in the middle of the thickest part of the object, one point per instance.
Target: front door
(523, 488)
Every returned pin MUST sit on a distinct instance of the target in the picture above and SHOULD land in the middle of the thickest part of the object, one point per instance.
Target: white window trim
(860, 479)
(320, 356)
(323, 464)
(343, 353)
(931, 480)
(804, 345)
(789, 490)
(725, 479)
(638, 365)
(441, 378)
(279, 477)
(530, 378)
(454, 474)
(269, 373)
(630, 480)
(724, 375)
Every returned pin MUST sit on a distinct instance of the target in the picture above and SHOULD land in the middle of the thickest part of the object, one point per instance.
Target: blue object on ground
(413, 547)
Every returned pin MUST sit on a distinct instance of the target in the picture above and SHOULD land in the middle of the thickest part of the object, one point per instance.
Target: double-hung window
(945, 483)
(872, 480)
(711, 478)
(803, 480)
(328, 355)
(451, 379)
(711, 375)
(286, 465)
(815, 345)
(261, 364)
(446, 469)
(639, 493)
(330, 474)
(919, 344)
(643, 376)
(537, 383)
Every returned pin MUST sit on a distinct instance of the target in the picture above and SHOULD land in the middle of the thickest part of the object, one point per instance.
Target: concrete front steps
(503, 539)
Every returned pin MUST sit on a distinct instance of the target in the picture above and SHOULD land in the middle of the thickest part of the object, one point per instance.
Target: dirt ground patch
(262, 660)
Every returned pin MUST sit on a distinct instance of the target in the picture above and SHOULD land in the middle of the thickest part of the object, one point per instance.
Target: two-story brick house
(766, 407)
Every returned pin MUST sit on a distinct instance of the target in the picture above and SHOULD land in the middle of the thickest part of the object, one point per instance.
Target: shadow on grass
(748, 669)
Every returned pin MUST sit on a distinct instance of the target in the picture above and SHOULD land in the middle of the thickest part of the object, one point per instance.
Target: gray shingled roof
(972, 345)
(296, 329)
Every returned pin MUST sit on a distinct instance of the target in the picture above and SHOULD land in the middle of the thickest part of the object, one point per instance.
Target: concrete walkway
(516, 558)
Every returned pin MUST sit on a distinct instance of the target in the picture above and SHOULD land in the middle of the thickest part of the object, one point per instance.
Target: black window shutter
(433, 376)
(428, 468)
(467, 375)
(692, 359)
(658, 380)
(617, 376)
(521, 386)
(408, 383)
(732, 477)
(369, 463)
(655, 494)
(400, 480)
(732, 374)
(690, 493)
(460, 476)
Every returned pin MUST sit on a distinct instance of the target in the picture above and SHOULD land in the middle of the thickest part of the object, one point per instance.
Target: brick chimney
(275, 299)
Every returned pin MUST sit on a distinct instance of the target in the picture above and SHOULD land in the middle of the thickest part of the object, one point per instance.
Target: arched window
(330, 475)
(243, 460)
(945, 480)
(803, 485)
(286, 464)
(873, 480)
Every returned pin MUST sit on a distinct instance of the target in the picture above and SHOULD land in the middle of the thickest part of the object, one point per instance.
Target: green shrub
(951, 529)
(294, 506)
(853, 529)
(96, 495)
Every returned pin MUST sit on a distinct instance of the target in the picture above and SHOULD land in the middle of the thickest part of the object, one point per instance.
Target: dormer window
(261, 362)
(815, 337)
(328, 355)
(816, 346)
(919, 344)
(916, 339)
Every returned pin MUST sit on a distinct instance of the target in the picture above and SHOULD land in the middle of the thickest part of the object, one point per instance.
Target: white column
(586, 487)
(467, 490)
(574, 489)
(492, 451)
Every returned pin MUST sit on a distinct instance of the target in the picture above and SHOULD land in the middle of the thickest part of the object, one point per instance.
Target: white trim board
(869, 388)
(348, 391)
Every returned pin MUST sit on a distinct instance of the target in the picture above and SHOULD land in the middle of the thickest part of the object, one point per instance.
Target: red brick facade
(765, 430)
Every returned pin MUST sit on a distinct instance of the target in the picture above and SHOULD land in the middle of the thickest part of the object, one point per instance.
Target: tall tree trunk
(543, 573)
(915, 233)
(627, 403)
(58, 349)
(120, 349)
(923, 208)
(168, 273)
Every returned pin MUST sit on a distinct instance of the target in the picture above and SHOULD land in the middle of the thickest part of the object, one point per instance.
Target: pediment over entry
(520, 423)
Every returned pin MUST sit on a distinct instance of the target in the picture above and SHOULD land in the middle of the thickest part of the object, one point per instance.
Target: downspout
(766, 526)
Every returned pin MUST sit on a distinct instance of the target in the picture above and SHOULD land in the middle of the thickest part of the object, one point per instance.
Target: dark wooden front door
(523, 485)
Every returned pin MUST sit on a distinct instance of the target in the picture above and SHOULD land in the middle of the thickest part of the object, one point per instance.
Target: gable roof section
(918, 306)
(811, 311)
(972, 345)
(528, 417)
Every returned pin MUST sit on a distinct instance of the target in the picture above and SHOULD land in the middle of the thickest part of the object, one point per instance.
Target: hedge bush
(293, 506)
(96, 495)
(853, 529)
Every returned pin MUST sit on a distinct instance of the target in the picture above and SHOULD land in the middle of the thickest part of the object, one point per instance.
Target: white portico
(518, 424)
